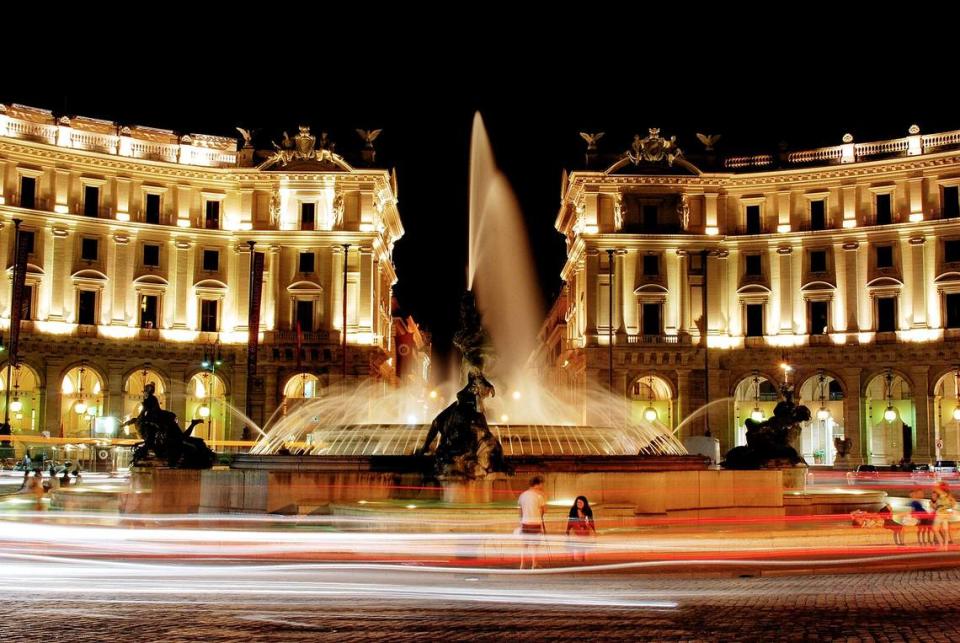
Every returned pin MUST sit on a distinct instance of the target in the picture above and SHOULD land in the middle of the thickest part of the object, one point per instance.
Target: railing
(86, 330)
(290, 337)
(197, 152)
(748, 161)
(149, 334)
(941, 140)
(882, 147)
(657, 339)
(820, 154)
(39, 203)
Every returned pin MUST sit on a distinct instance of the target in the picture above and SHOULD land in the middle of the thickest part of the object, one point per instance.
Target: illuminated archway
(823, 395)
(81, 401)
(755, 396)
(207, 401)
(25, 402)
(651, 401)
(133, 391)
(946, 417)
(890, 417)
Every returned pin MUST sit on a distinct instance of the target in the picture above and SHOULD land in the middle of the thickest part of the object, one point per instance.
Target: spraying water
(526, 416)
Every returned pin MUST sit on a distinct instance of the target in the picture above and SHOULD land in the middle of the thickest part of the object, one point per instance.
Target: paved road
(82, 601)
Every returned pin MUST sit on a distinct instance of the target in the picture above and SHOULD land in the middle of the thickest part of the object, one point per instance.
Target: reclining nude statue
(163, 438)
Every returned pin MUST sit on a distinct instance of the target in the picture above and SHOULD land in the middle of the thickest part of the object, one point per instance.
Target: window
(818, 261)
(753, 219)
(649, 220)
(87, 308)
(818, 215)
(754, 320)
(151, 212)
(27, 240)
(951, 201)
(884, 256)
(148, 311)
(651, 265)
(953, 310)
(886, 314)
(151, 255)
(91, 201)
(211, 260)
(27, 310)
(305, 316)
(753, 268)
(951, 250)
(212, 218)
(306, 262)
(89, 249)
(651, 319)
(884, 210)
(819, 317)
(208, 315)
(28, 192)
(308, 215)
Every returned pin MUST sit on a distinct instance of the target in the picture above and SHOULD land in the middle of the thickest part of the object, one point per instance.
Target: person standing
(532, 504)
(943, 508)
(923, 518)
(580, 524)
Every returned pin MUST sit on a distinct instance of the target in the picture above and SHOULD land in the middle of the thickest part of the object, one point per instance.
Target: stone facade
(842, 262)
(139, 269)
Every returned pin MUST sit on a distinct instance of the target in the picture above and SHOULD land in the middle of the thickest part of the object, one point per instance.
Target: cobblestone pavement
(223, 603)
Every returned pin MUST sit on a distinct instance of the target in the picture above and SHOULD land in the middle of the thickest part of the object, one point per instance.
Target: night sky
(533, 112)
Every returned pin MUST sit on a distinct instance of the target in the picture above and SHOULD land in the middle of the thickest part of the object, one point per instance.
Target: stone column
(854, 425)
(683, 296)
(181, 279)
(53, 398)
(785, 288)
(923, 447)
(114, 388)
(919, 285)
(336, 294)
(620, 297)
(852, 286)
(61, 262)
(177, 399)
(592, 287)
(365, 291)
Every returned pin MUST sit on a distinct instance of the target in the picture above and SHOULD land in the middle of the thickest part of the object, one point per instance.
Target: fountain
(365, 453)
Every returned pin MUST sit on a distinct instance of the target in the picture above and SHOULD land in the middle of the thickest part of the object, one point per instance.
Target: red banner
(19, 285)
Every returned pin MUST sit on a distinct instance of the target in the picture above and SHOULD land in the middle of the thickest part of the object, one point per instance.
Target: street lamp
(757, 414)
(823, 413)
(650, 413)
(211, 361)
(890, 414)
(956, 389)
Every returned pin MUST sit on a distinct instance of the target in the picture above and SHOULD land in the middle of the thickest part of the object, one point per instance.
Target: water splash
(527, 416)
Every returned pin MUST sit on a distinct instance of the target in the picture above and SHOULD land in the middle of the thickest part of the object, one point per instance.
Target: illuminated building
(843, 261)
(139, 268)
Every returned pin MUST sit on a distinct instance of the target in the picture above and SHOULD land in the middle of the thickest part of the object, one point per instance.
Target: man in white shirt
(532, 505)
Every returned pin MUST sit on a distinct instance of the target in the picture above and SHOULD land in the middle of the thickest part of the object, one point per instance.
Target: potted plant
(818, 456)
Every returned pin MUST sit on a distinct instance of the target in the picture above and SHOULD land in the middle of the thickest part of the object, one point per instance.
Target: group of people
(581, 528)
(35, 485)
(933, 525)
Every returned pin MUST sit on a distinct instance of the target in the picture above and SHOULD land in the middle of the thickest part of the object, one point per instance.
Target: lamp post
(890, 414)
(757, 414)
(704, 302)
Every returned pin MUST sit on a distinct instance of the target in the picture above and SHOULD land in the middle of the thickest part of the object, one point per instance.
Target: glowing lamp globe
(91, 411)
(823, 414)
(80, 408)
(16, 406)
(956, 413)
(890, 414)
(650, 414)
(757, 415)
(204, 411)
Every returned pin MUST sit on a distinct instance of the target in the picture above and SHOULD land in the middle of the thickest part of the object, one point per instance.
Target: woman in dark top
(581, 527)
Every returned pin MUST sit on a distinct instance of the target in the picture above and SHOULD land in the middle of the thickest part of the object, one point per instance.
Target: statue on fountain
(162, 438)
(467, 450)
(772, 443)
